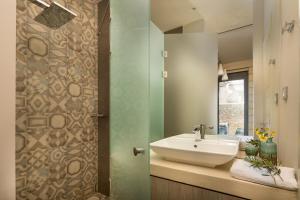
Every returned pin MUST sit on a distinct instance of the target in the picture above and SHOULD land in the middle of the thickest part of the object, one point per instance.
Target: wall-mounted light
(272, 62)
(285, 93)
(288, 27)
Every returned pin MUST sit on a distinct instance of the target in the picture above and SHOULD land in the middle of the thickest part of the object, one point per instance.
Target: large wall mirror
(233, 66)
(209, 65)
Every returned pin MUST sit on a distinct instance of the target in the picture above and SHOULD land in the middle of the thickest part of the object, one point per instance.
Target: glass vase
(251, 150)
(268, 150)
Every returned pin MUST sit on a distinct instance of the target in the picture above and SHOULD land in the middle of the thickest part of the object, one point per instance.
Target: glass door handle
(137, 151)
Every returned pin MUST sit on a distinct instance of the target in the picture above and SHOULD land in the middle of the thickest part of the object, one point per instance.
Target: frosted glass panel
(156, 83)
(191, 89)
(130, 117)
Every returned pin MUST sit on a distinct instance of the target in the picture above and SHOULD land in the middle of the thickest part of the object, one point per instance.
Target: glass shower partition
(129, 99)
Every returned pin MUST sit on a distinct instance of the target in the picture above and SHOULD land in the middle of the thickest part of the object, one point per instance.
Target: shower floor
(99, 197)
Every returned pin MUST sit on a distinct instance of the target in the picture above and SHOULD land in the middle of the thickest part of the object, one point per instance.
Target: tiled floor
(101, 197)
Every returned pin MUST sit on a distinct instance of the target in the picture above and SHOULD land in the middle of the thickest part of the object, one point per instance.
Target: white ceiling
(236, 45)
(169, 14)
(222, 15)
(219, 15)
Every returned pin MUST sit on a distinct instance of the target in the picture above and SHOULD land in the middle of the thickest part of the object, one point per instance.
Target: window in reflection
(233, 106)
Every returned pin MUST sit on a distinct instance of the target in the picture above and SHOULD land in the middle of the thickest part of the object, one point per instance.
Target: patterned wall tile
(21, 174)
(58, 173)
(32, 174)
(21, 75)
(37, 173)
(90, 104)
(37, 103)
(74, 120)
(74, 171)
(57, 94)
(88, 120)
(36, 121)
(21, 120)
(89, 157)
(31, 139)
(56, 138)
(58, 120)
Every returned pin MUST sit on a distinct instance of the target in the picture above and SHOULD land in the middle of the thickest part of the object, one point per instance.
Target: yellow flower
(262, 138)
(258, 132)
(273, 134)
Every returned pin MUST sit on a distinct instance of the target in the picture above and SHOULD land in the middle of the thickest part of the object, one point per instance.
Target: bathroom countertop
(217, 179)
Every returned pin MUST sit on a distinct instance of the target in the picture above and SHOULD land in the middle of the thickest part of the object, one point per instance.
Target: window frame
(241, 75)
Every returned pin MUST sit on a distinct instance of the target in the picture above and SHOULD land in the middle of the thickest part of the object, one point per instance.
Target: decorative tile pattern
(56, 137)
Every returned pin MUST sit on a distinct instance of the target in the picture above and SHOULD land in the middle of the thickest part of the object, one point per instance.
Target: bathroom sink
(210, 152)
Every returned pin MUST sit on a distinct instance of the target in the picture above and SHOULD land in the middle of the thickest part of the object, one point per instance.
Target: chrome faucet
(200, 132)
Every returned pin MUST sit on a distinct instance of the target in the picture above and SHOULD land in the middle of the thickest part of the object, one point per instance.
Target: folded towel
(243, 141)
(242, 169)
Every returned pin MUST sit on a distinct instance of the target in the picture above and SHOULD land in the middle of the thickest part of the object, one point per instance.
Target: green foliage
(254, 142)
(272, 170)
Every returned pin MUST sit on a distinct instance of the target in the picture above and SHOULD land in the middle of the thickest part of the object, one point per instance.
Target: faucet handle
(196, 128)
(202, 127)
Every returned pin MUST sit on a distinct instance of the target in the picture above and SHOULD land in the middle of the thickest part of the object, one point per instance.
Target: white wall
(269, 43)
(258, 37)
(271, 72)
(191, 86)
(7, 100)
(289, 77)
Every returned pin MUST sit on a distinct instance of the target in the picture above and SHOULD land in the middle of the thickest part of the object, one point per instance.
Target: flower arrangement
(254, 142)
(260, 163)
(267, 149)
(265, 134)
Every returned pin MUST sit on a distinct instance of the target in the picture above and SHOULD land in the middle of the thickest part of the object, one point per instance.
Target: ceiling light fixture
(220, 69)
(225, 76)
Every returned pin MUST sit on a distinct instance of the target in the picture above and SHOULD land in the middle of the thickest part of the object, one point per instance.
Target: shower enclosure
(79, 117)
(56, 134)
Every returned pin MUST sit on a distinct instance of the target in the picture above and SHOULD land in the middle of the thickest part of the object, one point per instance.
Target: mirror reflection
(208, 65)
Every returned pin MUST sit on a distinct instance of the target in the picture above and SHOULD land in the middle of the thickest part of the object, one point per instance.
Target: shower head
(40, 3)
(54, 15)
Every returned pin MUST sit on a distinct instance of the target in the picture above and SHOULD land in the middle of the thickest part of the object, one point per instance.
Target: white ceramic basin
(210, 152)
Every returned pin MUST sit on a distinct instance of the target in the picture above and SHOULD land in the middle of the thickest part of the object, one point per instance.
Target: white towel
(243, 141)
(242, 169)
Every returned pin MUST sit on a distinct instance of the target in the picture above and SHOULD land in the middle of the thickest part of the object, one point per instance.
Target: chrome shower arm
(41, 3)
